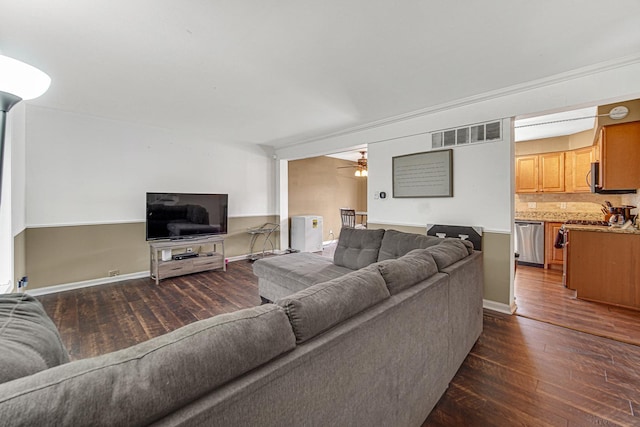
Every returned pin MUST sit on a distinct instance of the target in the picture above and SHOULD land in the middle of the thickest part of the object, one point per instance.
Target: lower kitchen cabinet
(552, 255)
(603, 267)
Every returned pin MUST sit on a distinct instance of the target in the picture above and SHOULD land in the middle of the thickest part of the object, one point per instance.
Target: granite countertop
(557, 216)
(601, 229)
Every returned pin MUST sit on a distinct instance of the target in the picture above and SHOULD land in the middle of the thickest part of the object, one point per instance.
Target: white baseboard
(104, 280)
(86, 283)
(499, 307)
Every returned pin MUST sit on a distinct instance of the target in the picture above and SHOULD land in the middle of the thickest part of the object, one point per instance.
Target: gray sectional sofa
(374, 345)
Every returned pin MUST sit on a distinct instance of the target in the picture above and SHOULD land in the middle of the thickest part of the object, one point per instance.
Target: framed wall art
(428, 174)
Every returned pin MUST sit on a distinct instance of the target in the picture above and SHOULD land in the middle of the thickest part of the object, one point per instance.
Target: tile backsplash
(564, 206)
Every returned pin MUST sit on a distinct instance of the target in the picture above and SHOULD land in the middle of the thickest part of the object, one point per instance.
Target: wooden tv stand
(205, 261)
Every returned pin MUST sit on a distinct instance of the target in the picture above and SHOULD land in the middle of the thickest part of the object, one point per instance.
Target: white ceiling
(279, 72)
(351, 155)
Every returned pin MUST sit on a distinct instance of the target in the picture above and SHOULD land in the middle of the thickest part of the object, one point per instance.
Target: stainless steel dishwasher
(530, 242)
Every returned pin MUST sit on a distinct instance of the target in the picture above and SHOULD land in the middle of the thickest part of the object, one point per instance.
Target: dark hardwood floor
(101, 319)
(530, 373)
(540, 295)
(520, 372)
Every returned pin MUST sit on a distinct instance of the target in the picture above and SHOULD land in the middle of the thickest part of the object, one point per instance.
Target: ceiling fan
(361, 166)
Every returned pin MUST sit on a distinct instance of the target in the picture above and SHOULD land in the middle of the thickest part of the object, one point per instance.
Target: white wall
(18, 168)
(14, 147)
(590, 86)
(478, 185)
(87, 170)
(488, 200)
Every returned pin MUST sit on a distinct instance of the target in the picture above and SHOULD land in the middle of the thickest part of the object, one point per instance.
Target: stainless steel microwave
(594, 176)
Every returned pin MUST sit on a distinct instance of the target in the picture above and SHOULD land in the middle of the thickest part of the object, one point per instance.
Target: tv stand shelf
(206, 260)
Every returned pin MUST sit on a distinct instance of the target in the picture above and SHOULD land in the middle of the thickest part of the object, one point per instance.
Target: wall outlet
(189, 250)
(563, 205)
(532, 205)
(113, 273)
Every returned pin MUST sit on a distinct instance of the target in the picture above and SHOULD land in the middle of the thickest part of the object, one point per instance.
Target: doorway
(324, 184)
(539, 292)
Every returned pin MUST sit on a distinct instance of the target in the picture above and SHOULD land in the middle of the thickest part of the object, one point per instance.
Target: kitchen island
(602, 264)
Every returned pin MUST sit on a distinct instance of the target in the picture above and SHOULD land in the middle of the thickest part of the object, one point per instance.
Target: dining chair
(348, 217)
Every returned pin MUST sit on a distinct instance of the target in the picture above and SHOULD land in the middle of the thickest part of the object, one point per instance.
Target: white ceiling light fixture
(619, 112)
(18, 81)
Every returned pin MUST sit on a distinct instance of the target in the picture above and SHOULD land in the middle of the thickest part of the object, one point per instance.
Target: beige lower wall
(496, 248)
(497, 259)
(61, 255)
(238, 240)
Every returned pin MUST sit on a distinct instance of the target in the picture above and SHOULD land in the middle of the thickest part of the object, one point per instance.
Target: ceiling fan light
(364, 173)
(358, 173)
(22, 80)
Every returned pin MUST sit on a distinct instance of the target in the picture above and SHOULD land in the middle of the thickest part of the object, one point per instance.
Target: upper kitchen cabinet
(540, 173)
(620, 156)
(577, 169)
(551, 172)
(527, 174)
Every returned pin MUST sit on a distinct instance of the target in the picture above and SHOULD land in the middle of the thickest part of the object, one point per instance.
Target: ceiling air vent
(483, 132)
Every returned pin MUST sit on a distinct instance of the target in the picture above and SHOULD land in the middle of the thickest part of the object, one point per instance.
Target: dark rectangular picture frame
(427, 174)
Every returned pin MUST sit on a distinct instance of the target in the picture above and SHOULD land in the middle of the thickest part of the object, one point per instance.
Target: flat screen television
(185, 215)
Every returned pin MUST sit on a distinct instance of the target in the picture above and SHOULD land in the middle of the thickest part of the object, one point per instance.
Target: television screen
(184, 215)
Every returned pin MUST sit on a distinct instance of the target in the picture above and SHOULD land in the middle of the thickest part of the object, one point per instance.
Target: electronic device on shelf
(184, 255)
(185, 215)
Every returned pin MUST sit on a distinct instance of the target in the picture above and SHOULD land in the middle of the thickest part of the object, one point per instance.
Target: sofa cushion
(407, 270)
(467, 244)
(29, 341)
(141, 384)
(357, 248)
(324, 305)
(297, 271)
(449, 251)
(396, 244)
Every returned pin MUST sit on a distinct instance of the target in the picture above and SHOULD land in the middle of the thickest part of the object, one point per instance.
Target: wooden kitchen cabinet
(551, 170)
(580, 167)
(552, 255)
(602, 266)
(527, 174)
(540, 173)
(620, 156)
(557, 172)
